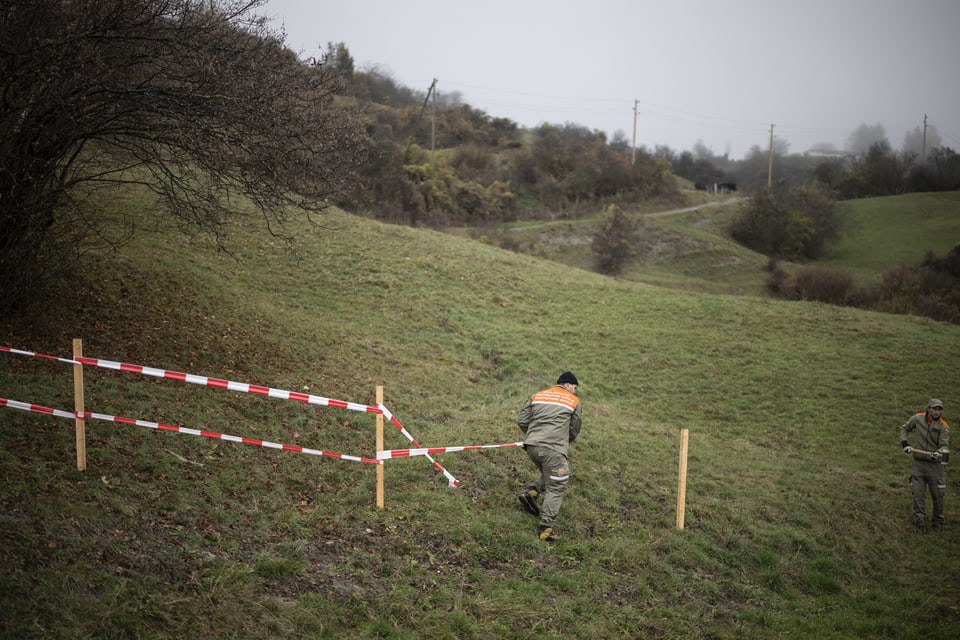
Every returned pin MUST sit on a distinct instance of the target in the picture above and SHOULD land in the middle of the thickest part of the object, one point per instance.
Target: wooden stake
(379, 449)
(682, 484)
(78, 406)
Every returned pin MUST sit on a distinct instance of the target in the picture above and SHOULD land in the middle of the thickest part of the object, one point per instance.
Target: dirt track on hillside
(672, 212)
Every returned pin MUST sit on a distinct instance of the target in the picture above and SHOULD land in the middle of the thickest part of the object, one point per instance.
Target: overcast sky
(700, 70)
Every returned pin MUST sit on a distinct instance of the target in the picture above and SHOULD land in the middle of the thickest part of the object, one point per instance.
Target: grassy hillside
(897, 230)
(686, 248)
(692, 250)
(798, 519)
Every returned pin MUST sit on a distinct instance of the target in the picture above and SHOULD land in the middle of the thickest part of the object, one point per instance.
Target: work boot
(921, 527)
(528, 499)
(546, 534)
(938, 527)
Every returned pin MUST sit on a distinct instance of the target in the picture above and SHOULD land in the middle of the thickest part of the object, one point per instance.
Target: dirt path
(655, 214)
(672, 212)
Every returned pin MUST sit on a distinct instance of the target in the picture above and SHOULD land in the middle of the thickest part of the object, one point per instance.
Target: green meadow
(797, 520)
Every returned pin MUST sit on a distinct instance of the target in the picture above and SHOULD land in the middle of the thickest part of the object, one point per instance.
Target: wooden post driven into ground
(379, 449)
(682, 482)
(78, 406)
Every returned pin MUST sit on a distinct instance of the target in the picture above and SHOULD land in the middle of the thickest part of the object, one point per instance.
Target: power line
(580, 109)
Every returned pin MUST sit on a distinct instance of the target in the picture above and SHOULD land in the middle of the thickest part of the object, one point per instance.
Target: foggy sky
(720, 73)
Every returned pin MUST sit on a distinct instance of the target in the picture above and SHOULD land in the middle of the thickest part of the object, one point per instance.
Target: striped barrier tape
(407, 453)
(242, 387)
(391, 454)
(451, 481)
(34, 354)
(36, 408)
(89, 415)
(229, 385)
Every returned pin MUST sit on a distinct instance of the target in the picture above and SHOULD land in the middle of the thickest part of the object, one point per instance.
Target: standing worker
(550, 421)
(931, 452)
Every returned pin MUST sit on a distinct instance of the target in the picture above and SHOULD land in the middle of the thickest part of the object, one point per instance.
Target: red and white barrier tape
(407, 453)
(36, 408)
(243, 387)
(451, 481)
(89, 415)
(21, 352)
(229, 385)
(381, 456)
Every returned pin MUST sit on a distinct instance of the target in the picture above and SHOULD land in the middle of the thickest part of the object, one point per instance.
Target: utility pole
(770, 160)
(432, 91)
(433, 132)
(923, 147)
(633, 151)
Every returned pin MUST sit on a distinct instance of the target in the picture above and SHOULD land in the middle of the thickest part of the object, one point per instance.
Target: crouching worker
(550, 421)
(931, 450)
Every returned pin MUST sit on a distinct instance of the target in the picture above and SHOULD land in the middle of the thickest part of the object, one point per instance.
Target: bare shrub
(615, 241)
(820, 284)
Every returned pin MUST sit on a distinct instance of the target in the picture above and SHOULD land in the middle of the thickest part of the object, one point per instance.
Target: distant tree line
(870, 168)
(880, 171)
(456, 165)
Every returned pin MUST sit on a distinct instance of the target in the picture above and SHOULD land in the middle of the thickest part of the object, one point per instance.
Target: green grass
(797, 521)
(897, 230)
(688, 250)
(693, 251)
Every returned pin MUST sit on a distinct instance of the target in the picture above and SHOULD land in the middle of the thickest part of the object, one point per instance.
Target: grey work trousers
(554, 480)
(927, 475)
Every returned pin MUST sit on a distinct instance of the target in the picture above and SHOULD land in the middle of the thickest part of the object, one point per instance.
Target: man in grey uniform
(550, 421)
(930, 452)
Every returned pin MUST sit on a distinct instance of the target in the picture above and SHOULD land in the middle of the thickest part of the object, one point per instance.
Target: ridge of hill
(797, 521)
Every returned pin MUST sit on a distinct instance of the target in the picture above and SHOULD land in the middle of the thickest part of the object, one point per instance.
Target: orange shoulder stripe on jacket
(556, 396)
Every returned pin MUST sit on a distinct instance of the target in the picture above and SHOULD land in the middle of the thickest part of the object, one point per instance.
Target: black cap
(567, 378)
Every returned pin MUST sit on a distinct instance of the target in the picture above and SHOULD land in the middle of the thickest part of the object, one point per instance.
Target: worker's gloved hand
(935, 456)
(907, 449)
